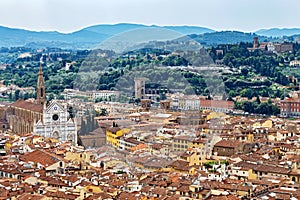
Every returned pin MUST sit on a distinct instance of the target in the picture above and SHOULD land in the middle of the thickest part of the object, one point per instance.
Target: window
(55, 117)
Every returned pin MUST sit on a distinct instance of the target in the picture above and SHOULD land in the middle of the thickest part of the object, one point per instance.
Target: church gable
(70, 122)
(55, 107)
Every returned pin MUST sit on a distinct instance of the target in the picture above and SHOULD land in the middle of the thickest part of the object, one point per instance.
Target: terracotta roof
(28, 106)
(174, 197)
(113, 129)
(228, 143)
(72, 178)
(126, 195)
(146, 189)
(184, 188)
(224, 197)
(200, 140)
(159, 191)
(40, 156)
(103, 195)
(180, 165)
(61, 195)
(263, 168)
(291, 100)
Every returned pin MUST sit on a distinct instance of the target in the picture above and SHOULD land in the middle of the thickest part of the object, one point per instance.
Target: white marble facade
(56, 123)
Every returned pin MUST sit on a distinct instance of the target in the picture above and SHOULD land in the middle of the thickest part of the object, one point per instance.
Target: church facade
(41, 118)
(56, 123)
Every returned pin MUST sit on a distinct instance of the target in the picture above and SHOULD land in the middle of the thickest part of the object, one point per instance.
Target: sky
(71, 15)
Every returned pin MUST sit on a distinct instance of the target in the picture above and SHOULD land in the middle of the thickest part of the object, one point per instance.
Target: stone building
(139, 88)
(56, 123)
(22, 114)
(41, 118)
(290, 107)
(228, 147)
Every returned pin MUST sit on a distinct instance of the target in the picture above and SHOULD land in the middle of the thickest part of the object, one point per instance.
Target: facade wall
(113, 137)
(290, 108)
(55, 124)
(223, 151)
(22, 120)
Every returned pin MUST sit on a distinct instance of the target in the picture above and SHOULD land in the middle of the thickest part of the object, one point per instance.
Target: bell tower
(139, 88)
(40, 90)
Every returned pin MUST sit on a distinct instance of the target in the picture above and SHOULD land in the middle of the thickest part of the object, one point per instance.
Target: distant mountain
(93, 36)
(277, 32)
(85, 38)
(19, 37)
(226, 37)
(123, 27)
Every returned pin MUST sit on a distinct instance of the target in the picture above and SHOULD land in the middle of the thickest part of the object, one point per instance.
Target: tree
(137, 101)
(98, 100)
(60, 97)
(189, 90)
(10, 96)
(257, 100)
(244, 71)
(162, 96)
(17, 94)
(26, 96)
(51, 97)
(83, 127)
(103, 112)
(71, 112)
(249, 106)
(131, 100)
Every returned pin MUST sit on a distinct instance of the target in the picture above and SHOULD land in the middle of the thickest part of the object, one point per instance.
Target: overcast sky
(71, 15)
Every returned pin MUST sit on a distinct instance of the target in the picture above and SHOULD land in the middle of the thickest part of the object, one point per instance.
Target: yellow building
(250, 137)
(182, 143)
(79, 157)
(199, 143)
(113, 135)
(263, 124)
(214, 115)
(182, 166)
(251, 175)
(295, 175)
(196, 158)
(37, 139)
(93, 189)
(196, 154)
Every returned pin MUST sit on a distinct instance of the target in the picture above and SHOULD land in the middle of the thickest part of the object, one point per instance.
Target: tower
(139, 88)
(255, 42)
(40, 89)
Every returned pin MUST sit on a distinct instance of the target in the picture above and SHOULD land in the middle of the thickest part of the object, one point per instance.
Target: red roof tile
(40, 156)
(27, 106)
